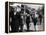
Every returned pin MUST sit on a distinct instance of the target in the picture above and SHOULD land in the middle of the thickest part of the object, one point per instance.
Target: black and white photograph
(24, 17)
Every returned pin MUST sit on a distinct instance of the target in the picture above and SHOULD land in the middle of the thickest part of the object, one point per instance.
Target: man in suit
(16, 21)
(27, 19)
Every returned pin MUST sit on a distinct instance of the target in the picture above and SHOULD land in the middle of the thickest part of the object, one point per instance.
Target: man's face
(18, 9)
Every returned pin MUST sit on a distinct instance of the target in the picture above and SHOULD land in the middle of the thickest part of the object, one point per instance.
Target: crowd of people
(22, 16)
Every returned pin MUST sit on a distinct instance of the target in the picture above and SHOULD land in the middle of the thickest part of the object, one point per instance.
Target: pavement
(31, 27)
